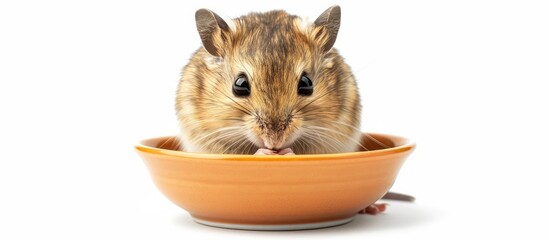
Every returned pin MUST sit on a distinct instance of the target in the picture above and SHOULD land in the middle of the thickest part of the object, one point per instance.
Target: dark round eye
(305, 87)
(241, 87)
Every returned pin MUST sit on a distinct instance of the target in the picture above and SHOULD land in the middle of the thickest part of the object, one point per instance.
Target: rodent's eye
(305, 87)
(241, 87)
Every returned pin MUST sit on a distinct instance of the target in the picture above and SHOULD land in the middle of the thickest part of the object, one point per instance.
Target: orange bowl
(275, 192)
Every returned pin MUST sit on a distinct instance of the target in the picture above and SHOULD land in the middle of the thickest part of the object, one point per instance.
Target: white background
(81, 82)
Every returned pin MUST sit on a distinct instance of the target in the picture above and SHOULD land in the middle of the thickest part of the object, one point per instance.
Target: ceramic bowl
(275, 192)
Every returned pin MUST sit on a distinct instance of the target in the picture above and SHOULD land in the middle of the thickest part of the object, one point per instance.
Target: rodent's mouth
(276, 143)
(269, 144)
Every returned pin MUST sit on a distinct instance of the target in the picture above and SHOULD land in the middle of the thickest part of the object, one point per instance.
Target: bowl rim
(407, 146)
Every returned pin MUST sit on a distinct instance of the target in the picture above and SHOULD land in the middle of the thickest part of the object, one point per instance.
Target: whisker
(220, 130)
(316, 137)
(298, 145)
(355, 128)
(227, 138)
(305, 145)
(367, 135)
(239, 142)
(249, 147)
(164, 142)
(376, 141)
(338, 133)
(315, 99)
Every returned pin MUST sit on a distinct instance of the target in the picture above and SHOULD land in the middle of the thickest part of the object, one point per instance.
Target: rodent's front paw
(286, 151)
(264, 151)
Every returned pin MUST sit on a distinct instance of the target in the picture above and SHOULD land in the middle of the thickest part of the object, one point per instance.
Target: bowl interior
(370, 142)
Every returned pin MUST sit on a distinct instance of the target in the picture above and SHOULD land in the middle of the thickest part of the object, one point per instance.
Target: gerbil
(269, 81)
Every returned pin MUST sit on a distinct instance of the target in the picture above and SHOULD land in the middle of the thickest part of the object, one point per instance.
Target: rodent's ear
(330, 20)
(213, 31)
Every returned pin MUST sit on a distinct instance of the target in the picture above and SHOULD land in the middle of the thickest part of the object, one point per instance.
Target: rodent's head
(270, 78)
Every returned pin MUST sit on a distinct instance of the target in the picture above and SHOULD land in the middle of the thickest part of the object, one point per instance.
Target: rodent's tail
(398, 196)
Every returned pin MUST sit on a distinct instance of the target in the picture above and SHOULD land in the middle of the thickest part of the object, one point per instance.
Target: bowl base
(275, 227)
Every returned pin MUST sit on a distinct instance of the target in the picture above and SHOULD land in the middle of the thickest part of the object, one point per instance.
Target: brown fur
(273, 49)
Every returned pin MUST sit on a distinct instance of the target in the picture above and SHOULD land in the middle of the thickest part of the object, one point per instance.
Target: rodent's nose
(274, 130)
(274, 122)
